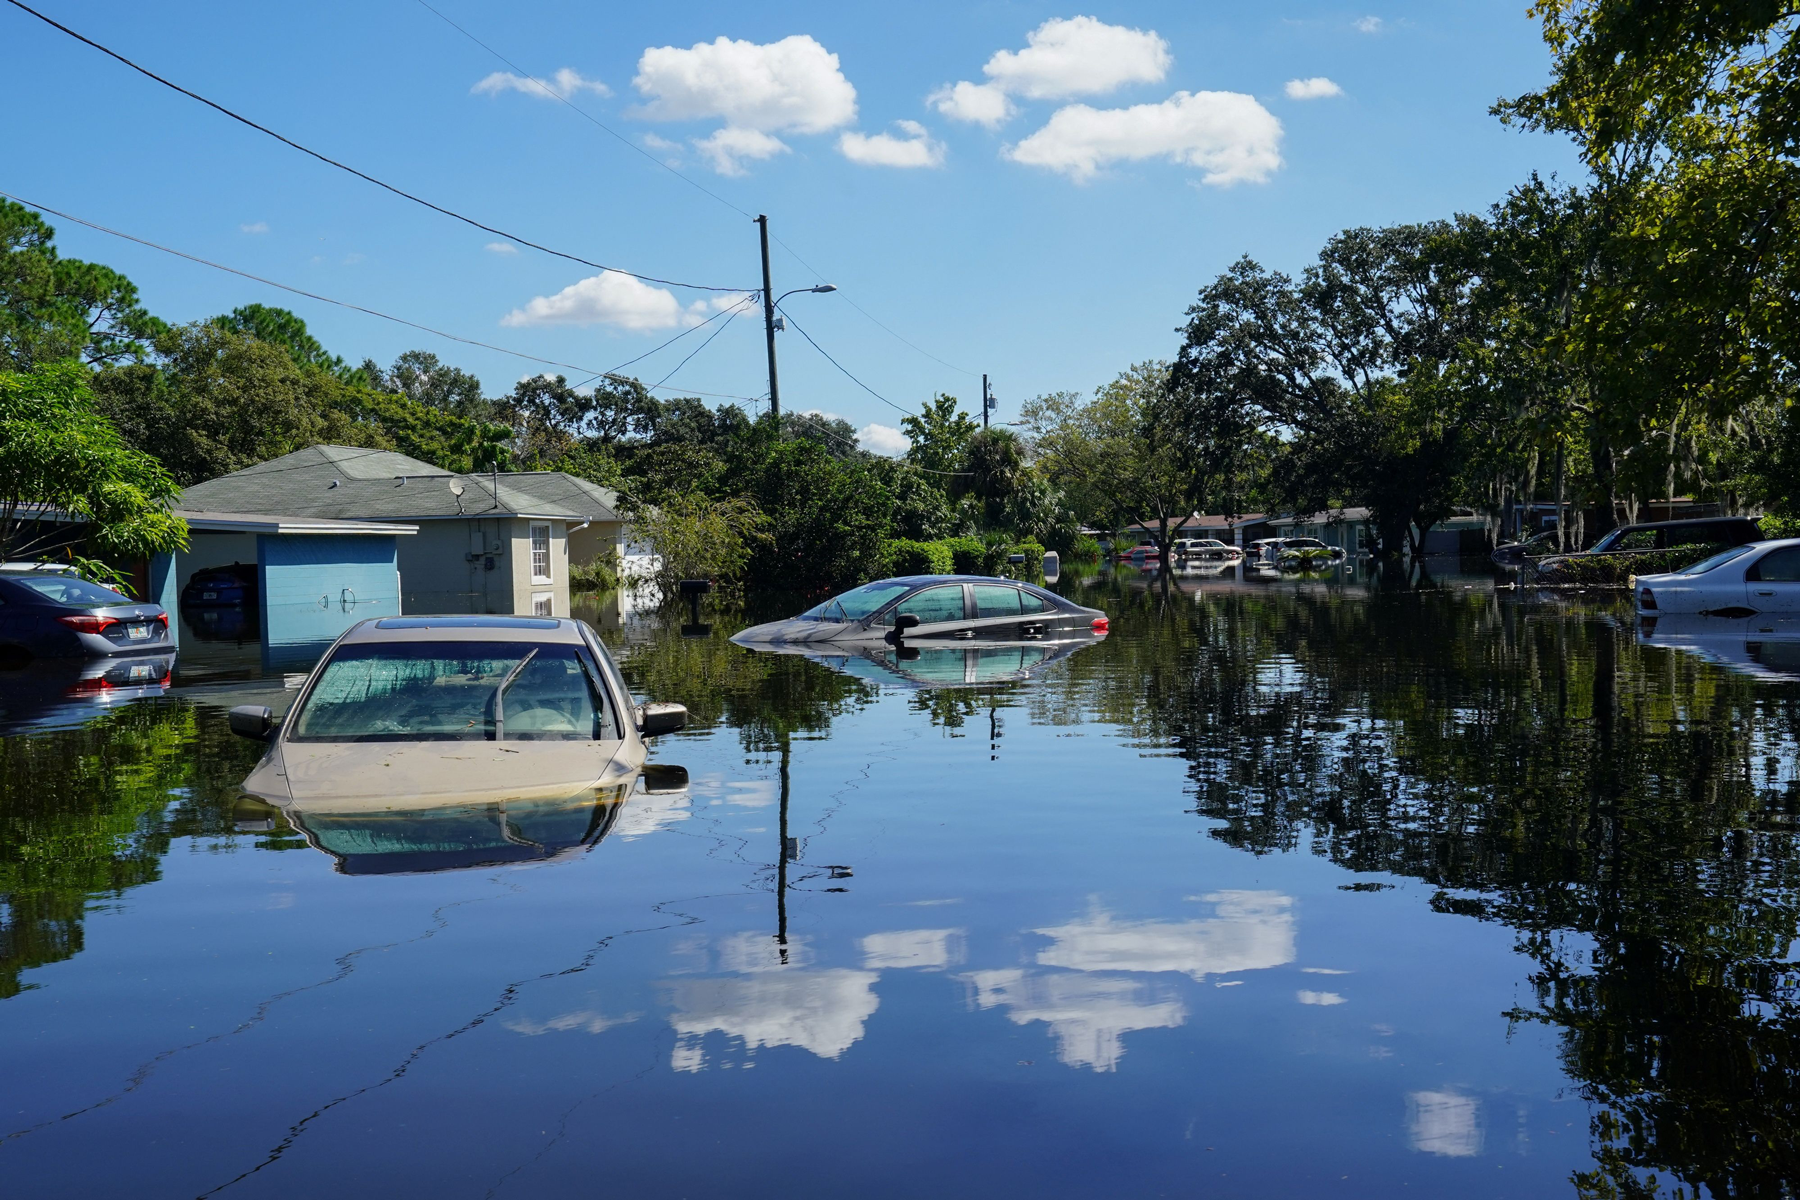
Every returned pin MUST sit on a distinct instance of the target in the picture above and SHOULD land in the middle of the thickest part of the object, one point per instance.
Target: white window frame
(543, 604)
(540, 576)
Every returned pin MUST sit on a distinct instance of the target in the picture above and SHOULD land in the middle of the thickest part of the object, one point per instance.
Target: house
(493, 542)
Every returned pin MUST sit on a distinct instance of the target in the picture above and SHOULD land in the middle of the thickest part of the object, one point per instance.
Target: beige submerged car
(425, 743)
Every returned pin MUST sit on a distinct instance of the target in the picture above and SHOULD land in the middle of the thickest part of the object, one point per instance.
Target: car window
(1717, 560)
(943, 603)
(1637, 539)
(856, 604)
(993, 600)
(1779, 566)
(446, 691)
(67, 589)
(1030, 603)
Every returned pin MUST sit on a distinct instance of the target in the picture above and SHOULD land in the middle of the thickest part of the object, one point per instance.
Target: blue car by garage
(49, 613)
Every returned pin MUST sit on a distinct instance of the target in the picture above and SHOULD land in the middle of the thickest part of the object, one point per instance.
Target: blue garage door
(315, 586)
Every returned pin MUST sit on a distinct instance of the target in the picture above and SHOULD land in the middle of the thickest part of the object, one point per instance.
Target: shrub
(967, 555)
(697, 538)
(1032, 567)
(1615, 570)
(907, 557)
(1084, 547)
(1780, 527)
(601, 575)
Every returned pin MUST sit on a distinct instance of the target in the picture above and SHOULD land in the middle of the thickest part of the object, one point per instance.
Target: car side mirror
(654, 720)
(252, 721)
(906, 621)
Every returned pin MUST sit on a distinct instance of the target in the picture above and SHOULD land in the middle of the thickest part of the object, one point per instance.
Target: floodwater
(1286, 888)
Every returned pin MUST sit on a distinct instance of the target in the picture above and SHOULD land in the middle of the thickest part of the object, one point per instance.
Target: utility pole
(769, 322)
(984, 401)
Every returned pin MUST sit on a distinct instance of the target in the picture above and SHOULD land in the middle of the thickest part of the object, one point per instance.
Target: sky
(1031, 191)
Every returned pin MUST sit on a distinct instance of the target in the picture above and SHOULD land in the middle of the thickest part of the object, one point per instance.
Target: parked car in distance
(1513, 553)
(1299, 552)
(1207, 550)
(515, 736)
(234, 586)
(58, 614)
(1759, 578)
(924, 608)
(1665, 535)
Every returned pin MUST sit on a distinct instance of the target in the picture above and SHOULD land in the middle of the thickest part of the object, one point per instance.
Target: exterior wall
(593, 540)
(525, 587)
(436, 574)
(315, 586)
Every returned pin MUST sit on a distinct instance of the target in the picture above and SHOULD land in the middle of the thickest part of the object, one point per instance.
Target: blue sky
(1045, 222)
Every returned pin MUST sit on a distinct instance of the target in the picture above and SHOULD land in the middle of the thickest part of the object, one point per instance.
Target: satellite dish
(456, 489)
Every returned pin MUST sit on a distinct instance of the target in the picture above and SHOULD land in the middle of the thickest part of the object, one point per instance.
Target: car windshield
(857, 604)
(1717, 560)
(452, 691)
(70, 589)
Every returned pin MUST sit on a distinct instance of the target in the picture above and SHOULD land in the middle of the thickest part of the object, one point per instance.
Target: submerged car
(234, 586)
(1296, 552)
(58, 614)
(926, 608)
(1762, 577)
(420, 743)
(1210, 550)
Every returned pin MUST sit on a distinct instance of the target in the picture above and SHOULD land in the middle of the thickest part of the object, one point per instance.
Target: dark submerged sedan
(935, 608)
(57, 614)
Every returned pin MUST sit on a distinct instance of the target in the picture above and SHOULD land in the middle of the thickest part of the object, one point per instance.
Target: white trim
(531, 541)
(547, 599)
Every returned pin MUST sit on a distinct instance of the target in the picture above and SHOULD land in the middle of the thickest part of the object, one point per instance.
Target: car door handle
(1769, 592)
(963, 633)
(1032, 630)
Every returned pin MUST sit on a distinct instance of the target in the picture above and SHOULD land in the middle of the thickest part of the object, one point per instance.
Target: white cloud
(501, 248)
(1227, 134)
(726, 149)
(1316, 88)
(565, 83)
(916, 149)
(883, 439)
(924, 949)
(1326, 999)
(978, 103)
(819, 1011)
(608, 298)
(790, 86)
(1252, 931)
(1368, 25)
(1446, 1123)
(1079, 56)
(587, 1021)
(1063, 57)
(1088, 1015)
(254, 227)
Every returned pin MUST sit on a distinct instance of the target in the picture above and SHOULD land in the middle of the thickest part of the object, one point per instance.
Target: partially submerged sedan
(1762, 577)
(468, 740)
(935, 608)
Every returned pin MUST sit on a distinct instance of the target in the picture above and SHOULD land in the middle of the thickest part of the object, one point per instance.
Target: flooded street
(1281, 889)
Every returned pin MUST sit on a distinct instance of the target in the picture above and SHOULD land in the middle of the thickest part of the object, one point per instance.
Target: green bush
(967, 555)
(1780, 527)
(1032, 567)
(601, 575)
(1616, 570)
(1084, 547)
(907, 557)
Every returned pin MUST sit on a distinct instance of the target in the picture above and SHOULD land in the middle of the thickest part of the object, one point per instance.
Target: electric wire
(840, 366)
(733, 312)
(556, 95)
(194, 258)
(438, 208)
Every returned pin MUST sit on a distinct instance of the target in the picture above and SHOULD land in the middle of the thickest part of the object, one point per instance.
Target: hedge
(1615, 570)
(907, 557)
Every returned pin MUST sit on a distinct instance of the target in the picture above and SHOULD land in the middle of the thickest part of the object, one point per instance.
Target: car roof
(1686, 521)
(924, 580)
(464, 628)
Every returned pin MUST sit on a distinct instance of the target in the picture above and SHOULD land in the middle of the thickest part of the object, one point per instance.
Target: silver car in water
(935, 608)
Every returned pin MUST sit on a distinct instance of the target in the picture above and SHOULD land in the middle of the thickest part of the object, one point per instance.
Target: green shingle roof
(352, 484)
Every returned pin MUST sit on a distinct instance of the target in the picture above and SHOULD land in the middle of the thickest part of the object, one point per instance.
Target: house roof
(355, 484)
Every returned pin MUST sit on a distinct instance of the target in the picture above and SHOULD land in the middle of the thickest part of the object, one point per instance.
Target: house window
(540, 554)
(541, 604)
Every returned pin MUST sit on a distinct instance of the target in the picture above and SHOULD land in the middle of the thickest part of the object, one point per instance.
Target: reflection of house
(496, 542)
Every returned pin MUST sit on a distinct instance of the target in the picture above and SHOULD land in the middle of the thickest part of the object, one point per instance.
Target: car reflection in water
(64, 693)
(436, 743)
(1765, 646)
(936, 666)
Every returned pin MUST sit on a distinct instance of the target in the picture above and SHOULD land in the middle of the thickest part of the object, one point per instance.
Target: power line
(732, 312)
(840, 366)
(149, 74)
(556, 95)
(548, 362)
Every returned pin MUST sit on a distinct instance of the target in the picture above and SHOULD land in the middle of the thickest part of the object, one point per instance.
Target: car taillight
(89, 624)
(1647, 599)
(1102, 624)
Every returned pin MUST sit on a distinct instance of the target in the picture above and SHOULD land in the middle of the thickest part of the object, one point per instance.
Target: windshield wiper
(500, 696)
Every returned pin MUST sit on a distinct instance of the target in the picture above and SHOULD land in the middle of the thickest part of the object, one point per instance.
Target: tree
(940, 435)
(58, 452)
(279, 327)
(698, 538)
(54, 308)
(827, 519)
(422, 378)
(835, 434)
